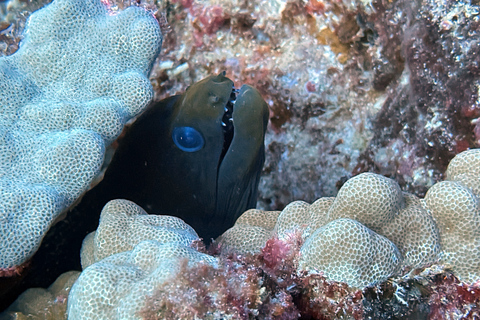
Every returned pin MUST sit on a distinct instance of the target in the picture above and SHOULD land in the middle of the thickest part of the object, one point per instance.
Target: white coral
(130, 255)
(79, 75)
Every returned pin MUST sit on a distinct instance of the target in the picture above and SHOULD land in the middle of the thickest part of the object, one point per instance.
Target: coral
(130, 254)
(250, 232)
(116, 287)
(370, 217)
(39, 303)
(318, 214)
(123, 225)
(465, 169)
(455, 208)
(78, 76)
(347, 251)
(295, 215)
(174, 281)
(260, 286)
(235, 290)
(415, 233)
(369, 198)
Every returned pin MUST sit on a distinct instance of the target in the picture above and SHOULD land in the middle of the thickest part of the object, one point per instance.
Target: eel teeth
(227, 121)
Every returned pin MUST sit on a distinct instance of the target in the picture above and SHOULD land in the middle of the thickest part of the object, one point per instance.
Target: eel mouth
(227, 122)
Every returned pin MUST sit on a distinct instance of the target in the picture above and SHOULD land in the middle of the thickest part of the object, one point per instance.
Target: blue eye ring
(188, 139)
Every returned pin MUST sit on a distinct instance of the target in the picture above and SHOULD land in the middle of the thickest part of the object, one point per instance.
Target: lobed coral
(364, 235)
(286, 269)
(39, 303)
(344, 250)
(65, 95)
(371, 229)
(123, 225)
(151, 280)
(454, 204)
(128, 256)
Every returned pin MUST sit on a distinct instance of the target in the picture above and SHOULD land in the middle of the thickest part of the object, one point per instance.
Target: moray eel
(197, 156)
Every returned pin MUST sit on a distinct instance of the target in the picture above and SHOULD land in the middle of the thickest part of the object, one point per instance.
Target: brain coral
(79, 75)
(131, 254)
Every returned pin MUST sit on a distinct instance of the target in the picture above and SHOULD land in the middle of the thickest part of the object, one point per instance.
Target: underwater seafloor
(390, 87)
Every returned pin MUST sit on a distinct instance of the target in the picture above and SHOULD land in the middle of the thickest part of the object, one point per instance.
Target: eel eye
(188, 139)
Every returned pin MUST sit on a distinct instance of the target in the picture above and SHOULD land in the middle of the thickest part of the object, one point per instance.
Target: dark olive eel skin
(205, 191)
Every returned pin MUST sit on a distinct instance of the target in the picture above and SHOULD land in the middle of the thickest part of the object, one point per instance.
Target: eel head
(197, 156)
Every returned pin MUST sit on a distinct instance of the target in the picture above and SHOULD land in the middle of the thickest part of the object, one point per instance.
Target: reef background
(390, 87)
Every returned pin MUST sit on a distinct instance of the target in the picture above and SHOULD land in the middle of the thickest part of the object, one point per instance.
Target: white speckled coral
(123, 225)
(78, 76)
(40, 303)
(465, 168)
(132, 254)
(295, 216)
(456, 210)
(250, 232)
(415, 234)
(368, 198)
(347, 251)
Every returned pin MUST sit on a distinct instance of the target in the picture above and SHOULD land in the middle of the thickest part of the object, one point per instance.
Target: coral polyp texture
(130, 254)
(78, 76)
(123, 225)
(371, 230)
(343, 237)
(454, 204)
(347, 251)
(40, 303)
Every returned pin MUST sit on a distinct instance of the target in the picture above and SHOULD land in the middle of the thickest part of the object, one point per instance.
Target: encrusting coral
(303, 262)
(123, 225)
(454, 204)
(79, 75)
(39, 303)
(339, 232)
(347, 251)
(143, 278)
(408, 235)
(128, 256)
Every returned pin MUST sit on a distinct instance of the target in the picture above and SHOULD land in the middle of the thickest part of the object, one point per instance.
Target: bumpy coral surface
(454, 204)
(443, 227)
(123, 225)
(361, 237)
(347, 251)
(65, 95)
(39, 303)
(130, 254)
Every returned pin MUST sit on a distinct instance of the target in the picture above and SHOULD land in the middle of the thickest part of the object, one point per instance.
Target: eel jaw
(227, 122)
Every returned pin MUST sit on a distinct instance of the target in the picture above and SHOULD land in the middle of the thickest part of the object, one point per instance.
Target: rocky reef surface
(372, 252)
(389, 87)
